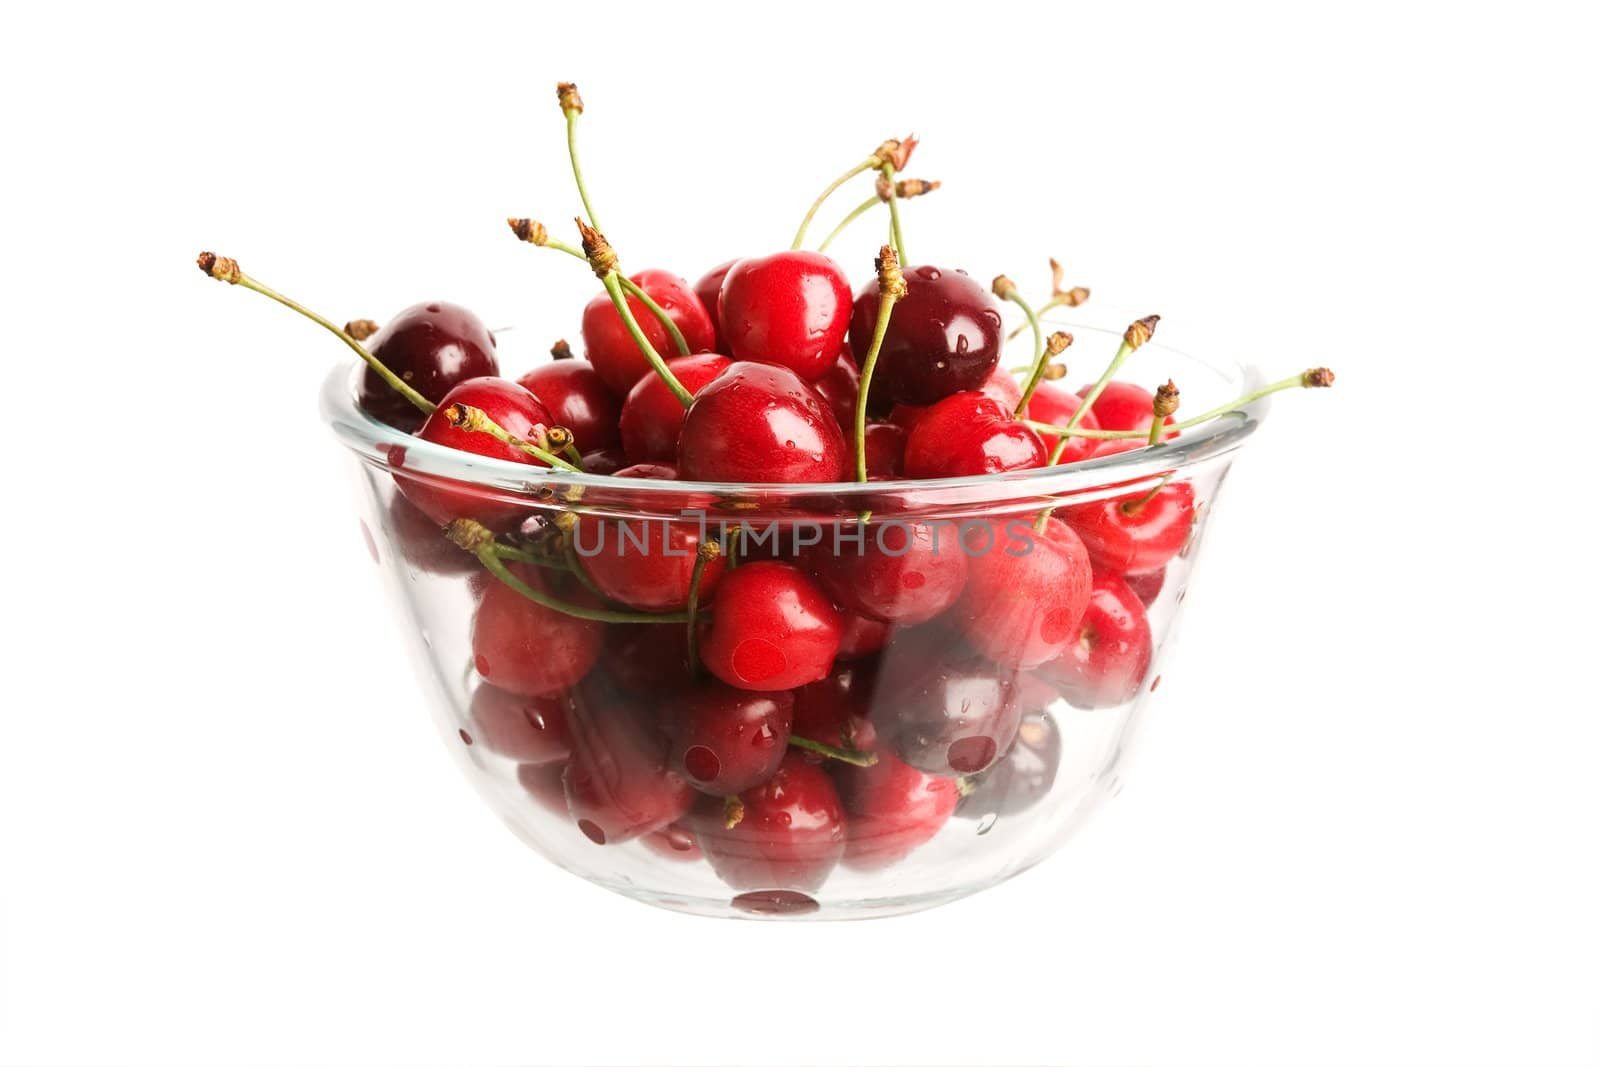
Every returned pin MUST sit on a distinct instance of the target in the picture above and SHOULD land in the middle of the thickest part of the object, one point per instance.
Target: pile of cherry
(777, 711)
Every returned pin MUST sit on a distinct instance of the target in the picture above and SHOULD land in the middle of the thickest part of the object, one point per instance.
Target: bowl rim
(378, 444)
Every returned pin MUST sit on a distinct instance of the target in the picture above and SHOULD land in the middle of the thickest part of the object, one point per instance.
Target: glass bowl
(987, 758)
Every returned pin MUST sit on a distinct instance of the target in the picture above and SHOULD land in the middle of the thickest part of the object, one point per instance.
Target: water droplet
(986, 823)
(466, 738)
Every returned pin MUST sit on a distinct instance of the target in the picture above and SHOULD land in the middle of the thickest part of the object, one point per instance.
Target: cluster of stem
(890, 156)
(476, 420)
(1059, 296)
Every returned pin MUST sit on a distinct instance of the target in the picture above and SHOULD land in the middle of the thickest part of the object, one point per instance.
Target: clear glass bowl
(887, 841)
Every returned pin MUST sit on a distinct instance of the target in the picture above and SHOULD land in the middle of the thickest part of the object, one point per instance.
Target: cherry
(944, 336)
(433, 347)
(948, 710)
(724, 740)
(905, 572)
(774, 628)
(1026, 593)
(422, 541)
(789, 833)
(839, 386)
(1001, 386)
(607, 460)
(836, 710)
(676, 842)
(526, 729)
(1147, 585)
(576, 397)
(617, 782)
(643, 563)
(861, 636)
(1137, 532)
(757, 423)
(526, 648)
(1107, 663)
(647, 659)
(1023, 777)
(791, 309)
(1052, 404)
(612, 349)
(893, 808)
(652, 416)
(543, 782)
(886, 451)
(1122, 406)
(709, 290)
(967, 434)
(516, 410)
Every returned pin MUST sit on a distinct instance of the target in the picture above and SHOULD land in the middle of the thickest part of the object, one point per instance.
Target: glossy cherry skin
(1124, 406)
(526, 729)
(652, 417)
(1146, 585)
(572, 391)
(905, 572)
(1026, 593)
(723, 740)
(791, 835)
(618, 784)
(605, 460)
(644, 563)
(1050, 403)
(611, 348)
(526, 648)
(423, 543)
(1108, 662)
(709, 290)
(837, 709)
(944, 336)
(1023, 777)
(886, 451)
(759, 423)
(790, 309)
(861, 636)
(941, 707)
(516, 410)
(433, 348)
(1001, 386)
(968, 434)
(647, 659)
(774, 628)
(1128, 533)
(892, 809)
(839, 386)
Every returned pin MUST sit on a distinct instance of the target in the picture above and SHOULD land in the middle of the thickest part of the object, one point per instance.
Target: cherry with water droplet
(724, 740)
(789, 832)
(943, 338)
(790, 309)
(774, 628)
(612, 349)
(433, 348)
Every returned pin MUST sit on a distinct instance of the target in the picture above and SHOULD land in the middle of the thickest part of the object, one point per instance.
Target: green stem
(637, 293)
(805, 224)
(704, 555)
(887, 170)
(844, 755)
(1049, 305)
(1037, 376)
(490, 558)
(1297, 382)
(574, 456)
(476, 420)
(886, 302)
(577, 171)
(859, 210)
(523, 555)
(613, 286)
(1124, 350)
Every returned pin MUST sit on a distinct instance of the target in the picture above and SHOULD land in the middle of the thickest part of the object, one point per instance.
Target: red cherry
(674, 843)
(1132, 533)
(1026, 593)
(516, 410)
(886, 451)
(1107, 663)
(773, 628)
(1001, 386)
(647, 659)
(1052, 404)
(709, 290)
(905, 572)
(893, 808)
(861, 636)
(942, 708)
(543, 782)
(652, 416)
(1124, 406)
(605, 460)
(839, 387)
(527, 648)
(422, 541)
(644, 563)
(944, 336)
(1023, 777)
(790, 309)
(724, 740)
(611, 348)
(836, 710)
(572, 391)
(790, 836)
(1147, 585)
(618, 784)
(433, 347)
(968, 434)
(758, 423)
(526, 729)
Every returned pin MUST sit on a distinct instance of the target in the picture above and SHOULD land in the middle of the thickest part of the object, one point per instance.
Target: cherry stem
(891, 287)
(855, 213)
(1132, 507)
(865, 165)
(1040, 355)
(572, 107)
(524, 555)
(1299, 381)
(474, 537)
(614, 287)
(632, 289)
(476, 420)
(708, 551)
(1069, 299)
(843, 755)
(227, 270)
(1124, 350)
(887, 170)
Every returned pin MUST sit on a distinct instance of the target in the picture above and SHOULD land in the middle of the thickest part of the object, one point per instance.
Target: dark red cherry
(1146, 585)
(944, 336)
(571, 390)
(422, 541)
(517, 411)
(645, 563)
(1023, 777)
(905, 572)
(790, 309)
(1053, 404)
(611, 348)
(1025, 594)
(1124, 406)
(886, 451)
(527, 648)
(1132, 533)
(968, 434)
(652, 417)
(839, 387)
(941, 707)
(892, 809)
(1107, 663)
(724, 740)
(1001, 386)
(861, 636)
(433, 348)
(709, 290)
(605, 460)
(646, 659)
(526, 729)
(773, 628)
(837, 709)
(790, 835)
(757, 423)
(618, 783)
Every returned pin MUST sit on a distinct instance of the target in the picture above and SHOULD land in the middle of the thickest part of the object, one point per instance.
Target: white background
(1362, 828)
